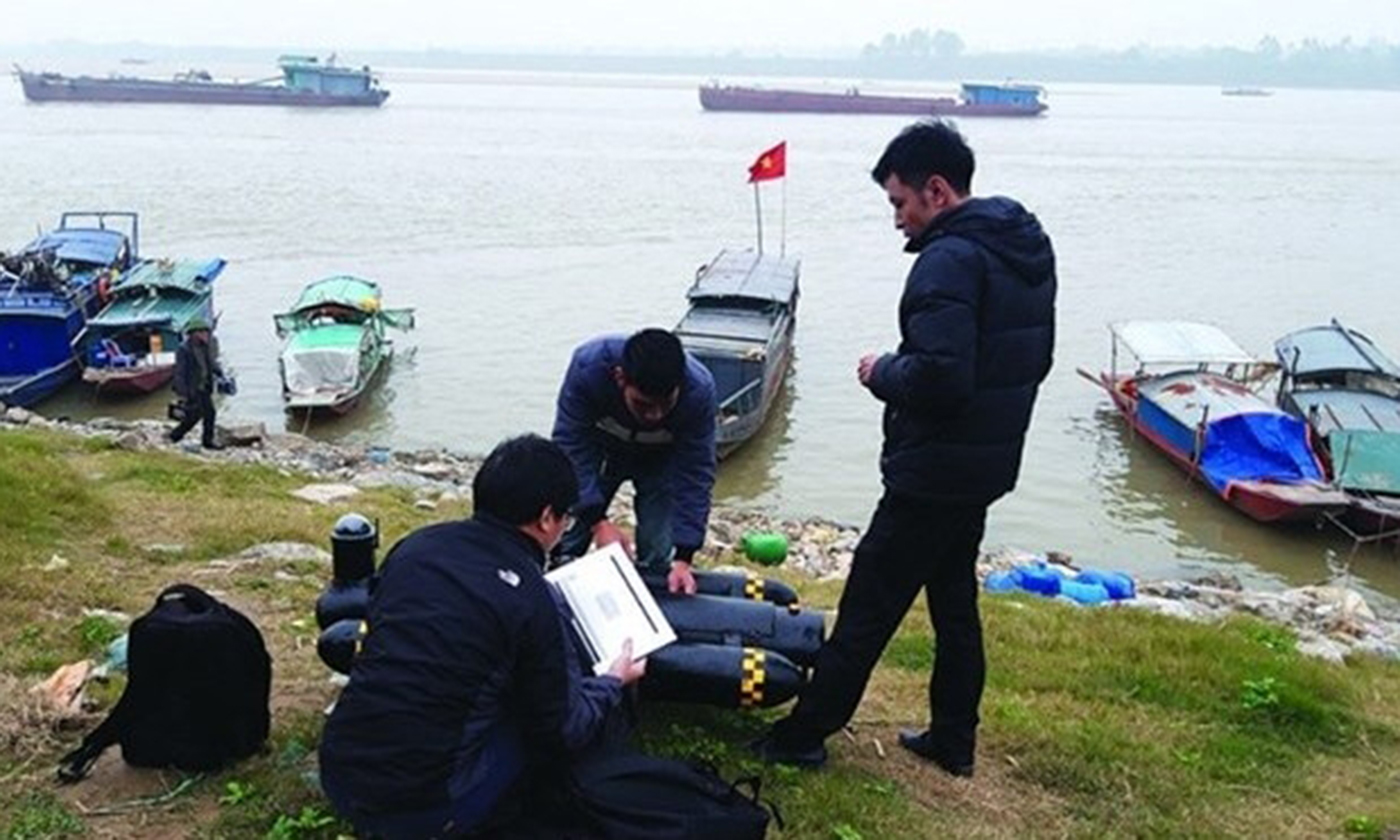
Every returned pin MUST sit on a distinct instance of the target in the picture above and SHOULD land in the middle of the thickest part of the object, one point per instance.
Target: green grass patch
(39, 816)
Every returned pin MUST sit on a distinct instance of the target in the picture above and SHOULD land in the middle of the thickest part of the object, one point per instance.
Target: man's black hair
(925, 149)
(654, 362)
(521, 477)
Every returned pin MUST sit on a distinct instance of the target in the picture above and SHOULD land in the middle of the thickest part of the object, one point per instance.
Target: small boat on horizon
(303, 81)
(1245, 91)
(49, 290)
(129, 347)
(1348, 392)
(335, 343)
(975, 100)
(740, 325)
(1191, 395)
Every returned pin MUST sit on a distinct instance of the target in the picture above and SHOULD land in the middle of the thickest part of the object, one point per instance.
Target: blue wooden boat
(1348, 392)
(48, 290)
(743, 312)
(1192, 395)
(129, 347)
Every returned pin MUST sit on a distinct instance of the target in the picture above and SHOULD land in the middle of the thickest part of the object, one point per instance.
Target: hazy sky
(792, 25)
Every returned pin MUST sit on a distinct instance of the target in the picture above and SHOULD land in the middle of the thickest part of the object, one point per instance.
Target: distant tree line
(1310, 63)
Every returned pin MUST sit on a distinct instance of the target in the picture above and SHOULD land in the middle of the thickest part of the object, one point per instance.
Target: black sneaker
(215, 447)
(922, 745)
(772, 751)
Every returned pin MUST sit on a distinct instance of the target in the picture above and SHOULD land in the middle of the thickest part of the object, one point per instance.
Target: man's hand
(625, 668)
(865, 368)
(607, 533)
(680, 579)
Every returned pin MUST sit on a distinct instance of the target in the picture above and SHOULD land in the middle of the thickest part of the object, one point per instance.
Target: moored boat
(1348, 392)
(304, 81)
(740, 325)
(975, 100)
(335, 343)
(1191, 395)
(49, 290)
(129, 347)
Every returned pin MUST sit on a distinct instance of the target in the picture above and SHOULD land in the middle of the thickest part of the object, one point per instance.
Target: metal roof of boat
(354, 292)
(746, 274)
(100, 247)
(1331, 348)
(1330, 409)
(1180, 342)
(193, 276)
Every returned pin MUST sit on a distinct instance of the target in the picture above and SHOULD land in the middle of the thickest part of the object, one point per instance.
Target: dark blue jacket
(977, 334)
(464, 632)
(594, 427)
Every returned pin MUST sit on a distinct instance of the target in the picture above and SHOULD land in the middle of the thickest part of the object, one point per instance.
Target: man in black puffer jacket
(977, 331)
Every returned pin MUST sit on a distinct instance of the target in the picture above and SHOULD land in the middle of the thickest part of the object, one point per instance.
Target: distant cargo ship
(305, 81)
(977, 100)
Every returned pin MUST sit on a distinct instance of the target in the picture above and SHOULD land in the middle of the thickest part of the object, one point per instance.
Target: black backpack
(639, 797)
(196, 697)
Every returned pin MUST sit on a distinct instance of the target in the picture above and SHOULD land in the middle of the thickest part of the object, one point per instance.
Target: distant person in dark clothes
(640, 409)
(468, 687)
(196, 372)
(977, 332)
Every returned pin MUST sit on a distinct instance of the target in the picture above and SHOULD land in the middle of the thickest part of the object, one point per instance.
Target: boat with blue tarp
(49, 290)
(740, 325)
(129, 347)
(1348, 391)
(1191, 394)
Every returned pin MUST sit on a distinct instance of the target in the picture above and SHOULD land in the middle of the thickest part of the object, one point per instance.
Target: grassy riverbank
(1096, 722)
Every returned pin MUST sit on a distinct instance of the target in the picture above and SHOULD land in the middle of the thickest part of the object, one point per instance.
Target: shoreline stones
(1329, 621)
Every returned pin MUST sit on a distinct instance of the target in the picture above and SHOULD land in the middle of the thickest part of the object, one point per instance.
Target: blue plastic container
(1118, 585)
(1001, 582)
(1039, 579)
(1083, 593)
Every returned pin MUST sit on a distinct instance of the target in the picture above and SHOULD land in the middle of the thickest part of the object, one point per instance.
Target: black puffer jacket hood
(1002, 227)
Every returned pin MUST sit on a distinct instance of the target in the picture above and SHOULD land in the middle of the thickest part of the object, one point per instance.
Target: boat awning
(193, 276)
(1180, 342)
(1332, 349)
(746, 274)
(353, 292)
(98, 247)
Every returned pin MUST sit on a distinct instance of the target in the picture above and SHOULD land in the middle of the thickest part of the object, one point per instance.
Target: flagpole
(782, 248)
(758, 214)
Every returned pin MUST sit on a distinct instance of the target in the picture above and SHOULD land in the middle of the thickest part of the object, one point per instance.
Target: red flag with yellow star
(771, 164)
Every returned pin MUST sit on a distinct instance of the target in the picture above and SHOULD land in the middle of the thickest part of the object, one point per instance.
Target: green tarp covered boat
(335, 343)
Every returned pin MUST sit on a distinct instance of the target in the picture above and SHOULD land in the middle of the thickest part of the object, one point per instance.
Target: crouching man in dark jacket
(977, 331)
(641, 409)
(468, 687)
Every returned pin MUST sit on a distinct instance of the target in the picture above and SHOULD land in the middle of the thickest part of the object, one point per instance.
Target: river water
(523, 213)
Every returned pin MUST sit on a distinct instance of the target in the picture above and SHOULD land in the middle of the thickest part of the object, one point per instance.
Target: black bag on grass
(196, 697)
(639, 797)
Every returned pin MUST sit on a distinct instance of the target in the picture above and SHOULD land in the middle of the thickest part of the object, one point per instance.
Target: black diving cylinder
(708, 619)
(720, 675)
(353, 542)
(339, 643)
(727, 585)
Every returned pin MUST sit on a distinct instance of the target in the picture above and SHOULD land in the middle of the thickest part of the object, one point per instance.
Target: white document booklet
(610, 605)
